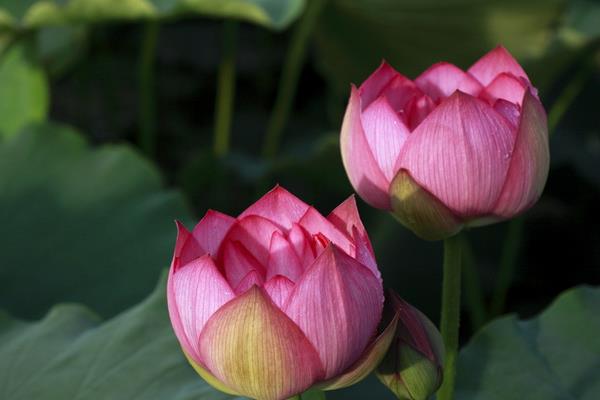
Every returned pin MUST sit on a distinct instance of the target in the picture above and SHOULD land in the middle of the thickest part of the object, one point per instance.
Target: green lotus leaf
(71, 354)
(80, 224)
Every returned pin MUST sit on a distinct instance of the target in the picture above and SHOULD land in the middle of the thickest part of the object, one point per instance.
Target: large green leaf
(71, 355)
(353, 36)
(80, 224)
(24, 89)
(555, 356)
(35, 13)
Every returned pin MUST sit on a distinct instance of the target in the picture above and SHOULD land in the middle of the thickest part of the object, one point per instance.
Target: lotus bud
(278, 300)
(451, 148)
(412, 367)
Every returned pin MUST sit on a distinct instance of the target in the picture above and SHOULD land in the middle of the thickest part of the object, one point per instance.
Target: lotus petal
(211, 230)
(278, 206)
(494, 63)
(194, 293)
(529, 162)
(460, 154)
(255, 349)
(337, 295)
(365, 174)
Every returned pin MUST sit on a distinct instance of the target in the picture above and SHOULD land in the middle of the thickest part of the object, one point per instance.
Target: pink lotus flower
(279, 299)
(449, 149)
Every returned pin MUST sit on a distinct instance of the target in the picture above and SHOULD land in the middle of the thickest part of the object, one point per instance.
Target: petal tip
(180, 225)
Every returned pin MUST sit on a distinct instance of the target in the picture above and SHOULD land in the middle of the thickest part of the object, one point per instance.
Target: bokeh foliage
(23, 14)
(24, 88)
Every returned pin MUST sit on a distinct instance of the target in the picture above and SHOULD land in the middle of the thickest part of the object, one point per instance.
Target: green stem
(290, 75)
(147, 107)
(225, 89)
(450, 312)
(510, 250)
(473, 293)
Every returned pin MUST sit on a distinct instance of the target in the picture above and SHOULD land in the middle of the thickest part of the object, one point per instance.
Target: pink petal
(417, 110)
(301, 242)
(497, 61)
(510, 111)
(442, 79)
(315, 223)
(256, 350)
(176, 321)
(320, 243)
(278, 206)
(385, 133)
(529, 162)
(460, 154)
(194, 293)
(279, 289)
(374, 85)
(252, 278)
(362, 169)
(371, 357)
(416, 330)
(186, 247)
(338, 305)
(346, 216)
(238, 262)
(283, 259)
(211, 230)
(364, 252)
(254, 233)
(507, 87)
(399, 92)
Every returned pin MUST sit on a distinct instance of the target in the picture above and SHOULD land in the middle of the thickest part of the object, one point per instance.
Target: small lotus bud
(412, 367)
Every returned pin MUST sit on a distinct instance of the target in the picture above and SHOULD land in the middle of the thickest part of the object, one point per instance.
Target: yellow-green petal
(254, 348)
(210, 378)
(420, 211)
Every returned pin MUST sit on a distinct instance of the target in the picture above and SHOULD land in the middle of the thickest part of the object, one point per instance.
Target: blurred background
(118, 117)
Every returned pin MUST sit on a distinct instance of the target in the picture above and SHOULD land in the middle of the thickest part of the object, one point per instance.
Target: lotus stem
(147, 99)
(225, 89)
(450, 312)
(290, 75)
